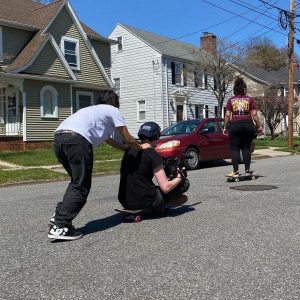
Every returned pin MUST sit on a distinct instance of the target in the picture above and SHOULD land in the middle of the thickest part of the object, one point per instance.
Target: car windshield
(183, 127)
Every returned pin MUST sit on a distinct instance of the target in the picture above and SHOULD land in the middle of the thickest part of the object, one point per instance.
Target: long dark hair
(108, 97)
(240, 87)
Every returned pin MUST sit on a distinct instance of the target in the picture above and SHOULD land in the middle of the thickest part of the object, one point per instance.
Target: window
(70, 49)
(83, 99)
(179, 75)
(48, 102)
(199, 109)
(215, 84)
(117, 86)
(206, 111)
(120, 43)
(205, 81)
(196, 79)
(1, 46)
(141, 110)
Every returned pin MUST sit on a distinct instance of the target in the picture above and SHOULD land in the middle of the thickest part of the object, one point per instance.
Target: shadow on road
(116, 219)
(100, 224)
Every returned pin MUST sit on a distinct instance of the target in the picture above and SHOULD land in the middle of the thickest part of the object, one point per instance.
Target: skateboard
(130, 215)
(241, 177)
(135, 215)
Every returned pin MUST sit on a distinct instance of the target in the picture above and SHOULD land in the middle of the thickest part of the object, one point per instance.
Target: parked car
(199, 139)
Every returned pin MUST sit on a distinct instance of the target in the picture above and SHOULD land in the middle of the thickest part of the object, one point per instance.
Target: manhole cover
(253, 187)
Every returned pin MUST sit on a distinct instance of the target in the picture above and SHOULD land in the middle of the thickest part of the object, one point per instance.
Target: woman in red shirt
(241, 111)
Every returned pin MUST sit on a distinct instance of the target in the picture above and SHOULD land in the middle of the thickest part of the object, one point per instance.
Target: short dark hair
(108, 97)
(240, 87)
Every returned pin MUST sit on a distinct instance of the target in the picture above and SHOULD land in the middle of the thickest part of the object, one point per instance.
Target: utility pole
(291, 76)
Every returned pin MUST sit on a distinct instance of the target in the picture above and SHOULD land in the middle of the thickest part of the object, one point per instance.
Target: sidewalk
(268, 152)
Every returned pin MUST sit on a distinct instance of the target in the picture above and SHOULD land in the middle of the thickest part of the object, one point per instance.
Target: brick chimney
(208, 42)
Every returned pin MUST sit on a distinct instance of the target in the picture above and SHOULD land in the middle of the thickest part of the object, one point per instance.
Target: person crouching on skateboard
(242, 110)
(137, 190)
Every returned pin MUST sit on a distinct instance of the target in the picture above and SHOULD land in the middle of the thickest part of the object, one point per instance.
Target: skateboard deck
(240, 177)
(130, 215)
(135, 215)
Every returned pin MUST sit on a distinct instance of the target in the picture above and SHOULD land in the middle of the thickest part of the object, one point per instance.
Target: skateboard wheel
(253, 177)
(228, 179)
(137, 219)
(237, 180)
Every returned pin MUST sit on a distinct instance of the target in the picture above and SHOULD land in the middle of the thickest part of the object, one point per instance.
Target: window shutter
(173, 72)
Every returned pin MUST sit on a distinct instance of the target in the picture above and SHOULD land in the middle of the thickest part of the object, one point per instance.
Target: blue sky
(186, 20)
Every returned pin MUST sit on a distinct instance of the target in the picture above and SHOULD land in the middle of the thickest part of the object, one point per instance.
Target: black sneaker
(63, 233)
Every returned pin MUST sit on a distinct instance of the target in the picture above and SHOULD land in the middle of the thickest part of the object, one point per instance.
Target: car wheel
(192, 160)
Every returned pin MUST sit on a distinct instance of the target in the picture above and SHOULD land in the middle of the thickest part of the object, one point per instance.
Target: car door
(213, 143)
(225, 153)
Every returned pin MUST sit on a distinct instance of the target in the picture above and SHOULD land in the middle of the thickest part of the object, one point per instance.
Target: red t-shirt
(241, 107)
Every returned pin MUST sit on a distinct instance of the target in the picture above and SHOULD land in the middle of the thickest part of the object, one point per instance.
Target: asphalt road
(227, 244)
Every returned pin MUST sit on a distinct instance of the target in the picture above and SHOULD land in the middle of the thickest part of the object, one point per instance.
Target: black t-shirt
(137, 189)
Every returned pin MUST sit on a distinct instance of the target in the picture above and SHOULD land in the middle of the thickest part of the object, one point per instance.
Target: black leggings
(241, 135)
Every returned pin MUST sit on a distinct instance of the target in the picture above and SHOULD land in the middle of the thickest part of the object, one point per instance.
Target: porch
(11, 125)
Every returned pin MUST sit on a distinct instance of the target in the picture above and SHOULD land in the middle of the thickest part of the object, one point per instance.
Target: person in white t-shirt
(74, 140)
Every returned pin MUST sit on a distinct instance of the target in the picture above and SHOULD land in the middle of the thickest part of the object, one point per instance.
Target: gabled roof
(186, 51)
(37, 17)
(165, 45)
(278, 77)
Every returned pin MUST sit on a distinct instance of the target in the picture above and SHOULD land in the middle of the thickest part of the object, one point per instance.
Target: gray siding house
(156, 79)
(51, 65)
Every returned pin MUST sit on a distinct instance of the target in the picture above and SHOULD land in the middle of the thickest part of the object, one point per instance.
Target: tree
(274, 108)
(262, 53)
(221, 66)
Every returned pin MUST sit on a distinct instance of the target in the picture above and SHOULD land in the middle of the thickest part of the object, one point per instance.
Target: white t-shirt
(96, 123)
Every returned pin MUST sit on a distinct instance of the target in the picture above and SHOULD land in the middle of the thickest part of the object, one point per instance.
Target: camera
(175, 165)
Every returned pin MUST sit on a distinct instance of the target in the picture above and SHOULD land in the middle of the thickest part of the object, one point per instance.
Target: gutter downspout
(24, 117)
(167, 92)
(162, 95)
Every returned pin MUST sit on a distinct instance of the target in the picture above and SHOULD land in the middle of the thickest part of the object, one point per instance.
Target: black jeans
(241, 135)
(75, 153)
(161, 198)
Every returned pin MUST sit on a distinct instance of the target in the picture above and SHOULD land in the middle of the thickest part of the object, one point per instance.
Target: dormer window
(120, 43)
(70, 49)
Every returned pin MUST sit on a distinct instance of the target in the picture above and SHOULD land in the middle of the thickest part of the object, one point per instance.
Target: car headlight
(169, 144)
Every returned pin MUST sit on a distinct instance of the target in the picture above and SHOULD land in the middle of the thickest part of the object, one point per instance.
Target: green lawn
(31, 175)
(280, 142)
(44, 157)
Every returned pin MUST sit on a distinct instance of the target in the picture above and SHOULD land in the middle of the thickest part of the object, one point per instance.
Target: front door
(179, 112)
(12, 116)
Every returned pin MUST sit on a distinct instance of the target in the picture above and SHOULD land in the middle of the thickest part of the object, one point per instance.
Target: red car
(199, 139)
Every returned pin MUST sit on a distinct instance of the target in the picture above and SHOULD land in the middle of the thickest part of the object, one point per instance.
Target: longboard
(241, 177)
(135, 215)
(130, 215)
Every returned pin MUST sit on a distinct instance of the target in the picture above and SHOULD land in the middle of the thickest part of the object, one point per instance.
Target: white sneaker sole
(66, 238)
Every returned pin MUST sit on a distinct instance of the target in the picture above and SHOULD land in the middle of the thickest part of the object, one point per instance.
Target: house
(51, 65)
(279, 79)
(157, 79)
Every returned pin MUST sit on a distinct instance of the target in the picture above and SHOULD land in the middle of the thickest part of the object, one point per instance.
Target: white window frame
(118, 45)
(55, 97)
(138, 103)
(72, 40)
(83, 93)
(1, 45)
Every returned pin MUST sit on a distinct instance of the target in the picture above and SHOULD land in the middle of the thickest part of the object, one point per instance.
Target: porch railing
(10, 125)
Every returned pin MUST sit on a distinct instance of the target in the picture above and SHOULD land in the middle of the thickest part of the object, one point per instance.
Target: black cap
(149, 130)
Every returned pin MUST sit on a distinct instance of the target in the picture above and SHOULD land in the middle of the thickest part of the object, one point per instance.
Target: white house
(155, 79)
